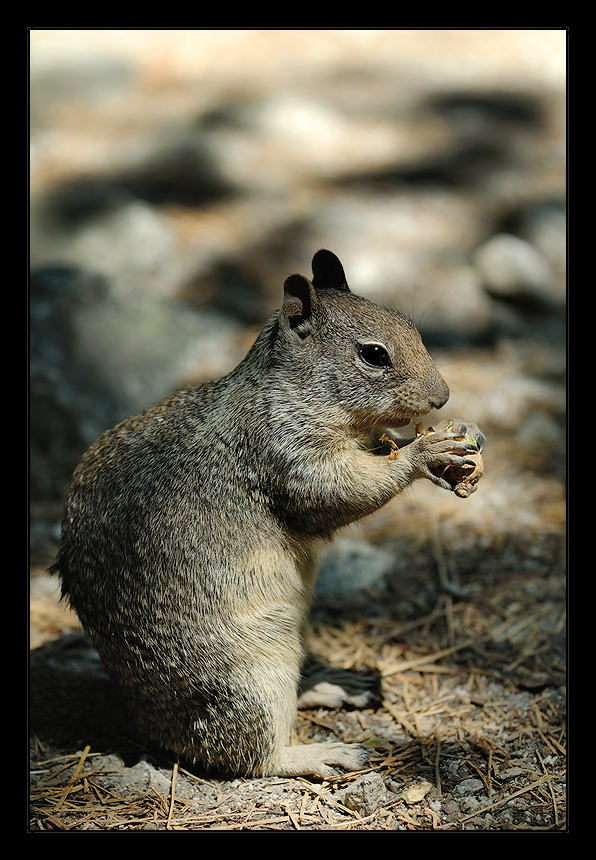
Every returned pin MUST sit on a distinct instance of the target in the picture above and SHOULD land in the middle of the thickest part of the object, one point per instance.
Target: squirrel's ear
(300, 304)
(328, 272)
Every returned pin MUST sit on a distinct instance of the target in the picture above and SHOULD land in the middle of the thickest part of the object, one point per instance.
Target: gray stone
(366, 794)
(350, 566)
(468, 786)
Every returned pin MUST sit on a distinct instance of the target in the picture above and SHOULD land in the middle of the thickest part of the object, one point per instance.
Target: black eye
(375, 355)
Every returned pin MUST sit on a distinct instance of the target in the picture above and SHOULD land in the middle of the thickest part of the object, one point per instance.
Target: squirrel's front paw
(466, 429)
(449, 456)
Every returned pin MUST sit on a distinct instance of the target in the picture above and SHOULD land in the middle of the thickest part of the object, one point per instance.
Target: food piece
(463, 479)
(394, 453)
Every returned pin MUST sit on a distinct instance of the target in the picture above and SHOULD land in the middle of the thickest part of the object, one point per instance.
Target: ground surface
(321, 139)
(473, 715)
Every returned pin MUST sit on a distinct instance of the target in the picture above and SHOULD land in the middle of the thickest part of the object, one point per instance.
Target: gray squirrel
(190, 533)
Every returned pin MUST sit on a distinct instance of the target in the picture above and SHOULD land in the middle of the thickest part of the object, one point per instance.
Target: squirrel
(190, 533)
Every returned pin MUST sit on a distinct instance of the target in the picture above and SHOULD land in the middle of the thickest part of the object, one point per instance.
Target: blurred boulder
(101, 350)
(350, 566)
(514, 270)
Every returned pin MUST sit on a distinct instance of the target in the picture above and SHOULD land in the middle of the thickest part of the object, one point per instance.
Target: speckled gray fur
(190, 532)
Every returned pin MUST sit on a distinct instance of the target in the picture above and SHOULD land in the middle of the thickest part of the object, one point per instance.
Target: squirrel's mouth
(402, 422)
(391, 422)
(394, 425)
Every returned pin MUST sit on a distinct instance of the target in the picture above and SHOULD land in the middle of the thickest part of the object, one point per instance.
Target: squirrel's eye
(375, 355)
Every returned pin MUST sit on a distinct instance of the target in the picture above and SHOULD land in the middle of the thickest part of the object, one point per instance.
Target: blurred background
(178, 176)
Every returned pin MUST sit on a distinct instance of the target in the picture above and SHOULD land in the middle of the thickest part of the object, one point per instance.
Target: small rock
(473, 804)
(468, 786)
(137, 778)
(352, 565)
(366, 794)
(510, 773)
(416, 792)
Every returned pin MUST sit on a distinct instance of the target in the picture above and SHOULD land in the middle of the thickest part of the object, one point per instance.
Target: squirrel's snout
(440, 395)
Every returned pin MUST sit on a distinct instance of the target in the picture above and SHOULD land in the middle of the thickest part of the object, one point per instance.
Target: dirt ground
(466, 629)
(471, 734)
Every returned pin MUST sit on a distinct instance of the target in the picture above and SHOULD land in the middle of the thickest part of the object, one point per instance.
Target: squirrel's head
(364, 359)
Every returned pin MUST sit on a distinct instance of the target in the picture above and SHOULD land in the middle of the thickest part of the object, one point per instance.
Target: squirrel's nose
(440, 394)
